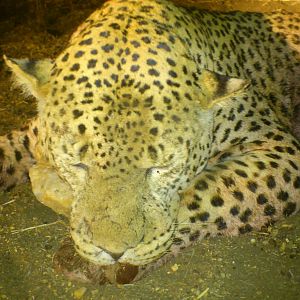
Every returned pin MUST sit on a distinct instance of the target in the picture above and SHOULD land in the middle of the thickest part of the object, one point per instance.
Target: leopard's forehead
(117, 60)
(126, 81)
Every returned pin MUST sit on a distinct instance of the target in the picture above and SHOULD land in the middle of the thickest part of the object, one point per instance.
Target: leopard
(159, 125)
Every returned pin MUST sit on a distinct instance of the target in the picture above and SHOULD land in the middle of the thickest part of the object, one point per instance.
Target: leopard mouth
(143, 254)
(146, 253)
(89, 251)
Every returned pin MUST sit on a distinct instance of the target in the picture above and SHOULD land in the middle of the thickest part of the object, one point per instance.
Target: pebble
(175, 267)
(78, 294)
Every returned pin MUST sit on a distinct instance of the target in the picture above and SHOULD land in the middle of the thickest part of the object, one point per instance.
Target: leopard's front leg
(240, 190)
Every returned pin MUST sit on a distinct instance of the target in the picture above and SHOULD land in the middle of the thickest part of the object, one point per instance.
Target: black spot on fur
(260, 165)
(10, 170)
(261, 199)
(82, 79)
(245, 215)
(18, 155)
(81, 128)
(234, 210)
(151, 62)
(86, 42)
(203, 217)
(228, 181)
(297, 183)
(153, 72)
(104, 34)
(286, 176)
(75, 67)
(92, 63)
(79, 54)
(107, 48)
(283, 195)
(193, 206)
(201, 185)
(158, 117)
(217, 201)
(269, 210)
(245, 229)
(164, 46)
(35, 131)
(221, 224)
(152, 152)
(274, 164)
(238, 195)
(134, 68)
(154, 131)
(252, 186)
(77, 113)
(65, 57)
(289, 209)
(26, 142)
(69, 77)
(271, 182)
(241, 173)
(293, 165)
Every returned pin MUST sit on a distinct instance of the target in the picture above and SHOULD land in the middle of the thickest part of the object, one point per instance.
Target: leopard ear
(31, 75)
(218, 88)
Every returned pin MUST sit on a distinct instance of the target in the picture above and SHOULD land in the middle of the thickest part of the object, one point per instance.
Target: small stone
(282, 247)
(175, 267)
(78, 294)
(288, 226)
(274, 232)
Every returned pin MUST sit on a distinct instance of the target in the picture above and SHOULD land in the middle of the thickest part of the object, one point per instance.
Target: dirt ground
(263, 265)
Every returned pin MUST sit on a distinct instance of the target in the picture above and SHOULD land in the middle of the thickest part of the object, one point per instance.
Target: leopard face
(119, 133)
(134, 155)
(126, 122)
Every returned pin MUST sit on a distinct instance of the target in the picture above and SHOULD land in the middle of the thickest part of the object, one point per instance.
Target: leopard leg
(240, 190)
(17, 155)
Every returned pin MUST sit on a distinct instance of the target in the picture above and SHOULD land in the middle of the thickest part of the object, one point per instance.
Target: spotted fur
(159, 125)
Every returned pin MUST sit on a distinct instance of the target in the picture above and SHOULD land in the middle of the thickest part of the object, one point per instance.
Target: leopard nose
(115, 256)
